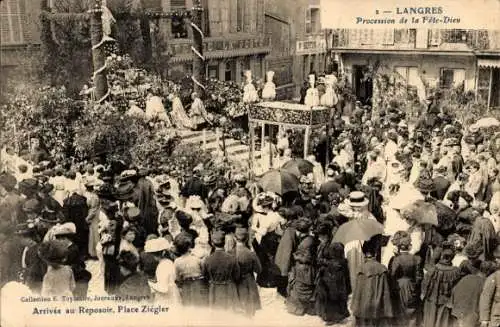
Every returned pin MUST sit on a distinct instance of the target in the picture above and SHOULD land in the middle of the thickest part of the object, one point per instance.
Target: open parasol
(421, 212)
(279, 182)
(486, 122)
(299, 167)
(358, 230)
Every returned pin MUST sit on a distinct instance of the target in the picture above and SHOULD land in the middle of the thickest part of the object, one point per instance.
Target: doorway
(363, 84)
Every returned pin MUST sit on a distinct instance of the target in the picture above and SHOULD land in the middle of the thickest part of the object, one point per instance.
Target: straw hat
(357, 199)
(157, 245)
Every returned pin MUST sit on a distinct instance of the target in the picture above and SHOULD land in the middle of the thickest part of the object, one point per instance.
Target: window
(178, 24)
(313, 23)
(452, 77)
(11, 22)
(228, 73)
(454, 36)
(410, 75)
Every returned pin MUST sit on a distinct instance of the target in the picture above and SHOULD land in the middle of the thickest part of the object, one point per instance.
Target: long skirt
(93, 238)
(266, 253)
(223, 296)
(331, 310)
(111, 274)
(194, 292)
(248, 294)
(437, 315)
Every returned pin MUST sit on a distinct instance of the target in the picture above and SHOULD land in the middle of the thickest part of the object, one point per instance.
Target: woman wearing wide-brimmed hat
(265, 226)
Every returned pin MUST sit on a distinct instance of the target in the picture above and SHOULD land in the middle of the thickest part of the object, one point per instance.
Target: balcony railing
(402, 39)
(233, 45)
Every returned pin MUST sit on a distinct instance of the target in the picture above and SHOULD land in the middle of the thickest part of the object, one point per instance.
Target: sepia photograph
(250, 163)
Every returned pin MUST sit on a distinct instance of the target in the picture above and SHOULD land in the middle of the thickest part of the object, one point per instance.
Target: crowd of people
(198, 242)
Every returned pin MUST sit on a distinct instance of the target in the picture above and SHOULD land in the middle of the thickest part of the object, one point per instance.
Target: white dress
(269, 91)
(329, 98)
(165, 289)
(250, 93)
(179, 116)
(312, 97)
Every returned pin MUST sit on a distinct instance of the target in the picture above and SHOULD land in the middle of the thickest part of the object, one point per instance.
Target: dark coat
(222, 272)
(147, 204)
(287, 246)
(136, 285)
(371, 299)
(437, 288)
(332, 290)
(406, 275)
(248, 292)
(465, 299)
(441, 186)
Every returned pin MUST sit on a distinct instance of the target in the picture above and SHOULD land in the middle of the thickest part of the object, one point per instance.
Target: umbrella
(279, 182)
(487, 122)
(358, 230)
(299, 167)
(422, 212)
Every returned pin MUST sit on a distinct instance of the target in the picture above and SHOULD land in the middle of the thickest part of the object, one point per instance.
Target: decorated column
(98, 53)
(197, 48)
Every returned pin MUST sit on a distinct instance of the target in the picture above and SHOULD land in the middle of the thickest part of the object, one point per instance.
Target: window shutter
(355, 37)
(413, 76)
(388, 37)
(401, 71)
(367, 36)
(435, 38)
(458, 77)
(422, 38)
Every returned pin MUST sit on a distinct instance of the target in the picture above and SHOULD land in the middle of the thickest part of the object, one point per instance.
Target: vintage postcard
(250, 163)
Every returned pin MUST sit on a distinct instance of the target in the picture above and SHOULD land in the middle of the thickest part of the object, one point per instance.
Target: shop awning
(489, 63)
(222, 54)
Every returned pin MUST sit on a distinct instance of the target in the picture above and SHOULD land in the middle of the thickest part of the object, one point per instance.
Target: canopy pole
(270, 146)
(252, 149)
(489, 89)
(306, 141)
(263, 135)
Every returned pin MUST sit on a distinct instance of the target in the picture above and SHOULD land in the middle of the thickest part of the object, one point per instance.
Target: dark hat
(165, 199)
(218, 238)
(425, 185)
(128, 260)
(473, 250)
(125, 190)
(47, 188)
(106, 191)
(442, 169)
(183, 218)
(28, 186)
(53, 252)
(401, 239)
(8, 181)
